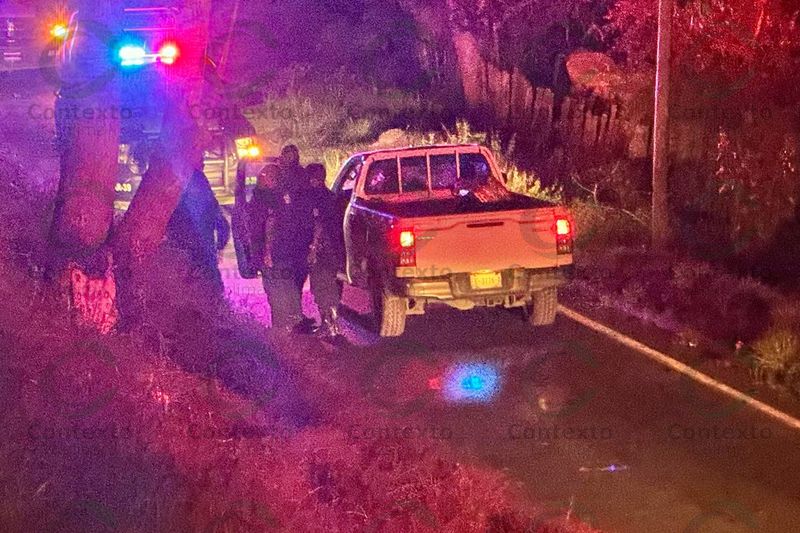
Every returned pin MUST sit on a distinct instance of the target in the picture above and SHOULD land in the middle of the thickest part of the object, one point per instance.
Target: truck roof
(412, 149)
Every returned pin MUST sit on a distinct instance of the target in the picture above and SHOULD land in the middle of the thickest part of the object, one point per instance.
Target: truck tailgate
(490, 241)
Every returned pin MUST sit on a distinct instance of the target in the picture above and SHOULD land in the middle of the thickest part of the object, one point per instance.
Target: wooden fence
(569, 122)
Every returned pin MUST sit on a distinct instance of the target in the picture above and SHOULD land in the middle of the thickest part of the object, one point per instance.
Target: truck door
(343, 187)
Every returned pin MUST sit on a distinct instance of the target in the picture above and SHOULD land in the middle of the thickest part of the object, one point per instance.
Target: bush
(601, 227)
(688, 276)
(529, 184)
(341, 117)
(777, 354)
(746, 313)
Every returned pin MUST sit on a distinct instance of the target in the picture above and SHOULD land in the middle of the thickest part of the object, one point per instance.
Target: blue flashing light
(132, 55)
(472, 383)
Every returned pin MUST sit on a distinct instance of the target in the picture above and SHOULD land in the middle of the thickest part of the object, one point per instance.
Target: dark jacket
(284, 216)
(198, 224)
(328, 245)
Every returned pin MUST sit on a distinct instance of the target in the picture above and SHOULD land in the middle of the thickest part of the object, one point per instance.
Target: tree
(89, 124)
(747, 49)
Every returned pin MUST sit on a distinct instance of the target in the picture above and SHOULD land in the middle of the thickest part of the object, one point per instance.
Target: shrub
(787, 315)
(688, 275)
(746, 313)
(529, 184)
(776, 354)
(333, 159)
(602, 227)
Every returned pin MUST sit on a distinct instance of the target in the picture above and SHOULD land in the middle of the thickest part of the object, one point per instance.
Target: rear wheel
(542, 310)
(389, 310)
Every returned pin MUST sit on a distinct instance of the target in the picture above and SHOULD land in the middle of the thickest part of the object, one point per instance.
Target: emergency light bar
(134, 55)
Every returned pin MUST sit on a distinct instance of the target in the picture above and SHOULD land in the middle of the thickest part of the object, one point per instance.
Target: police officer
(199, 227)
(288, 232)
(327, 253)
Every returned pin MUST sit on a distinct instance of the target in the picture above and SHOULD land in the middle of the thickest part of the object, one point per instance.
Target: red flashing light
(168, 53)
(563, 227)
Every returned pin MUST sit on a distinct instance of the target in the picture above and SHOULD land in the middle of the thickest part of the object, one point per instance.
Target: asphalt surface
(587, 427)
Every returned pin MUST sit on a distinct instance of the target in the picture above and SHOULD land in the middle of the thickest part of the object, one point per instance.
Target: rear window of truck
(448, 172)
(382, 177)
(414, 173)
(474, 171)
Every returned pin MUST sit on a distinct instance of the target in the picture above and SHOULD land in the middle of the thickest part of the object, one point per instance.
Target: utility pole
(660, 227)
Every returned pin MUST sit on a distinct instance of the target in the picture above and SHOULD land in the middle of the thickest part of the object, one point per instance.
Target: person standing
(327, 253)
(286, 211)
(199, 227)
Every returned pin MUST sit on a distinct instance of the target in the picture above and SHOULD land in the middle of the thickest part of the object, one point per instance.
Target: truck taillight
(563, 236)
(407, 248)
(407, 239)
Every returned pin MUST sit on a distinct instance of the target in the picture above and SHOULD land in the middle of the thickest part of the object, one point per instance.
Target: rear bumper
(517, 282)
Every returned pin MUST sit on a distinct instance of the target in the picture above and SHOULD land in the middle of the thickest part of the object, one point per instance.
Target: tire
(542, 310)
(389, 311)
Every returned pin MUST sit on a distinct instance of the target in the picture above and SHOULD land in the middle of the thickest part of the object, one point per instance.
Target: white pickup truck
(436, 225)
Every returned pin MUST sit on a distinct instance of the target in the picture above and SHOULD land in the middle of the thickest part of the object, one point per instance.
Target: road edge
(678, 366)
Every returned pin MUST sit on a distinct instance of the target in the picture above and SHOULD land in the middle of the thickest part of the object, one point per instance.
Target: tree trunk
(171, 165)
(660, 226)
(84, 208)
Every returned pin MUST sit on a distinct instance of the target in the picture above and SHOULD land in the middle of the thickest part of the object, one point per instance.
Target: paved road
(686, 458)
(584, 425)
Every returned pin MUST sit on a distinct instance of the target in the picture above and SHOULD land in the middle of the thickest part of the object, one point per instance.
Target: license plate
(486, 280)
